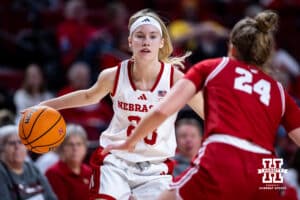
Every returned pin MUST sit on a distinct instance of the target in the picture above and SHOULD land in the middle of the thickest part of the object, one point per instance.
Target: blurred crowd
(52, 47)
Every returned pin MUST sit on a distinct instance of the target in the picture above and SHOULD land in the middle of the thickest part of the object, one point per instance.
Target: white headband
(145, 20)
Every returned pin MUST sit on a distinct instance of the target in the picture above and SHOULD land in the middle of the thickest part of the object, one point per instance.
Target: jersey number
(136, 120)
(245, 83)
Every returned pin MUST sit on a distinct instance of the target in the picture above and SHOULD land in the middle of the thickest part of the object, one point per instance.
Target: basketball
(41, 129)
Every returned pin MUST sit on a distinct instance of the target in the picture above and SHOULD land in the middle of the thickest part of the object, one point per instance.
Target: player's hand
(124, 146)
(22, 112)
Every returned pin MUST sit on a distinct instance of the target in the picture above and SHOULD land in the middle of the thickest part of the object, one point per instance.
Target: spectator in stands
(33, 89)
(74, 32)
(6, 100)
(92, 117)
(206, 39)
(19, 179)
(188, 137)
(292, 177)
(69, 177)
(6, 117)
(110, 46)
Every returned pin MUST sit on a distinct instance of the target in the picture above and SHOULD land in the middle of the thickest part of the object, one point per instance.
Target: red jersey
(243, 101)
(68, 185)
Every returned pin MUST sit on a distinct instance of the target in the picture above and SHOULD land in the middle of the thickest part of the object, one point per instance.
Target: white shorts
(119, 179)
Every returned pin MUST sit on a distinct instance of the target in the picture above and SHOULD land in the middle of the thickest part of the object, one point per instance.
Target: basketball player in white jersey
(135, 86)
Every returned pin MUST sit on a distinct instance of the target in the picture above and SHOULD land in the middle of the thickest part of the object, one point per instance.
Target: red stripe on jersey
(116, 80)
(172, 77)
(132, 82)
(217, 70)
(282, 97)
(162, 66)
(188, 173)
(130, 64)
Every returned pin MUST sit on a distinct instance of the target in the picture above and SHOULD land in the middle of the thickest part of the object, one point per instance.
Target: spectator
(188, 137)
(74, 32)
(6, 100)
(93, 117)
(6, 117)
(33, 90)
(110, 46)
(19, 179)
(70, 177)
(285, 69)
(292, 176)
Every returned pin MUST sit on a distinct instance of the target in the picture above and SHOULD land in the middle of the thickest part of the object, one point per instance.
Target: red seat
(11, 79)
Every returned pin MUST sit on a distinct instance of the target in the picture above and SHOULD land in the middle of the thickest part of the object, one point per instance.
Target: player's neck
(145, 71)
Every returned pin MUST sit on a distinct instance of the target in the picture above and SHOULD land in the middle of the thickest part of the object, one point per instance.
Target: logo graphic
(272, 170)
(28, 115)
(162, 93)
(60, 131)
(142, 97)
(146, 20)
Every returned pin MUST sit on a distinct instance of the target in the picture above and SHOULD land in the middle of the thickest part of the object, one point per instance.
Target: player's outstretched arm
(89, 96)
(295, 135)
(179, 95)
(196, 102)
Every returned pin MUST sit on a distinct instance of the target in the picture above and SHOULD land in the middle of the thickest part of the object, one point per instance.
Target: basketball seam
(26, 139)
(23, 132)
(34, 123)
(60, 117)
(49, 144)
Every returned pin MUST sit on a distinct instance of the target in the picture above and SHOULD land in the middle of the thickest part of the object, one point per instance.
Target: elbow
(295, 136)
(89, 98)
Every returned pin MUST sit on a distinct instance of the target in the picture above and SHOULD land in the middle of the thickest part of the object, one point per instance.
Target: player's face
(145, 42)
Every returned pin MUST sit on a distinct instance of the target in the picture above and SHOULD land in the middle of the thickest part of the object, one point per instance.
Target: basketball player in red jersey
(135, 86)
(243, 109)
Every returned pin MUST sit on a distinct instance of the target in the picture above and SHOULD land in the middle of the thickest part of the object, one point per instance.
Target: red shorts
(225, 172)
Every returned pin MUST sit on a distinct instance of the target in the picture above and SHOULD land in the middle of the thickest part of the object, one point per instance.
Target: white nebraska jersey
(130, 105)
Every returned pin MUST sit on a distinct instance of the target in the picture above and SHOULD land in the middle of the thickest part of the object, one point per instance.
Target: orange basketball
(41, 129)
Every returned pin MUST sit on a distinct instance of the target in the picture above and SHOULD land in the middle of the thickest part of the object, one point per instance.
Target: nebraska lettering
(134, 107)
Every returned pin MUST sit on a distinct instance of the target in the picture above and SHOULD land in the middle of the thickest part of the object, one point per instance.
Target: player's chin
(147, 56)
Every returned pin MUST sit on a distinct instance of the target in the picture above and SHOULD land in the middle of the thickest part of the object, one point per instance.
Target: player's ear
(162, 43)
(232, 51)
(129, 42)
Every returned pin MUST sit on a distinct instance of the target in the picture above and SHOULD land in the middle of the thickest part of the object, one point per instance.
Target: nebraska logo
(272, 170)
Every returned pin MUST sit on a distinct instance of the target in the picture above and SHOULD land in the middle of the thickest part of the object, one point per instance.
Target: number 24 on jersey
(244, 82)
